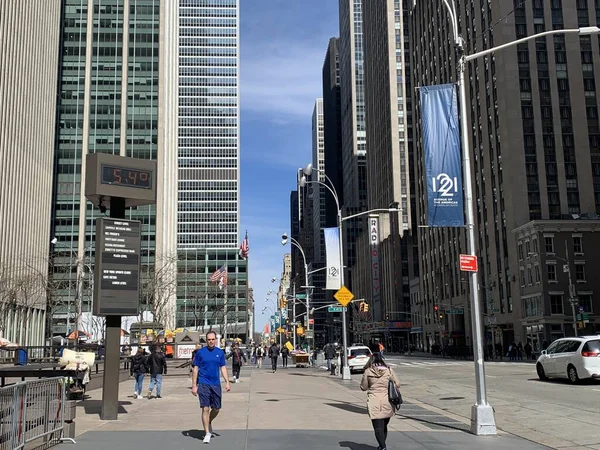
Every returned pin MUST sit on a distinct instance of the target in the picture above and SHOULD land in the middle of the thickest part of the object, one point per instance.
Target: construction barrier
(33, 411)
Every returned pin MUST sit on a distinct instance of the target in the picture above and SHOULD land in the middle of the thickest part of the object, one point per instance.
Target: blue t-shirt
(209, 363)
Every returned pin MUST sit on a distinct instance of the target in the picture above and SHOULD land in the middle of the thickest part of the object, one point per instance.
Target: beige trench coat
(375, 382)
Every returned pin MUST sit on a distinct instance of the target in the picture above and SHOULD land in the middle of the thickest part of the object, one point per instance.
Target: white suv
(358, 357)
(573, 358)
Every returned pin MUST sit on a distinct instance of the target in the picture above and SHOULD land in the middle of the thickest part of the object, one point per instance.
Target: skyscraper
(354, 144)
(387, 102)
(29, 54)
(117, 95)
(208, 206)
(533, 122)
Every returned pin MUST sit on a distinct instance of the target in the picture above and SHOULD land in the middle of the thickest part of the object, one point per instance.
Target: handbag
(394, 394)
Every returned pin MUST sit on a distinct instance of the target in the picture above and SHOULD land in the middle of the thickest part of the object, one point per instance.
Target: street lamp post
(284, 239)
(303, 181)
(482, 413)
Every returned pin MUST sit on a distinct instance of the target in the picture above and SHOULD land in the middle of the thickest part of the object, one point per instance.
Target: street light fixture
(308, 170)
(284, 240)
(482, 413)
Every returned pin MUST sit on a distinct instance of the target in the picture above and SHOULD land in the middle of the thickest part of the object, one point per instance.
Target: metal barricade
(32, 411)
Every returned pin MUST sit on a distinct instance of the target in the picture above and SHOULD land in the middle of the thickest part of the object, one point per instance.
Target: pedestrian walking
(375, 381)
(274, 355)
(209, 366)
(259, 357)
(284, 356)
(236, 356)
(329, 352)
(138, 370)
(381, 349)
(157, 366)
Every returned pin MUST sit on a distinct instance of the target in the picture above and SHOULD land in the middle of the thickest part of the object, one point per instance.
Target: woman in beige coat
(375, 381)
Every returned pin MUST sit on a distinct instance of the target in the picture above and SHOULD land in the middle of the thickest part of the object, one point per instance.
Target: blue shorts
(209, 395)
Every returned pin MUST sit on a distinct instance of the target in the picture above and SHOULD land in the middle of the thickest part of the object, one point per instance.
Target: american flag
(245, 247)
(219, 274)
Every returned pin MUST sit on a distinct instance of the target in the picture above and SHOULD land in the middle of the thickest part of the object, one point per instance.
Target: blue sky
(282, 48)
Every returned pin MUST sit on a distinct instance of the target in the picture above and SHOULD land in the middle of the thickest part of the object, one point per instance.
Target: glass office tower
(117, 95)
(208, 207)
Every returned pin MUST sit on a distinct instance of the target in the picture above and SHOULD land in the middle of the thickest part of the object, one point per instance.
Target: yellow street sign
(344, 296)
(280, 330)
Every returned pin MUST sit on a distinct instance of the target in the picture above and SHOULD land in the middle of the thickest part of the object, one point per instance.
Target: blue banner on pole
(443, 169)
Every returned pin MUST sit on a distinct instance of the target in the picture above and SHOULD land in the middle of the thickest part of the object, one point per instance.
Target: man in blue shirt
(206, 381)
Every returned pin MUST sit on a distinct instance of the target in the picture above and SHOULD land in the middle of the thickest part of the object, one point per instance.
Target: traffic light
(435, 308)
(361, 306)
(366, 307)
(441, 316)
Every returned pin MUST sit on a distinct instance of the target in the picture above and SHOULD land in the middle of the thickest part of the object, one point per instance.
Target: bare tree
(159, 287)
(7, 296)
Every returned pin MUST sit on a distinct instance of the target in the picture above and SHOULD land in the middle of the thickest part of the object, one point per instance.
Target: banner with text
(442, 156)
(332, 256)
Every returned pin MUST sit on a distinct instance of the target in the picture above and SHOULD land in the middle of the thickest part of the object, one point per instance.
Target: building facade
(532, 112)
(558, 290)
(353, 134)
(117, 95)
(208, 166)
(30, 38)
(385, 282)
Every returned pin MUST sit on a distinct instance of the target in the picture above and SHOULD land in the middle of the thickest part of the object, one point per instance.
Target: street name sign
(335, 309)
(344, 296)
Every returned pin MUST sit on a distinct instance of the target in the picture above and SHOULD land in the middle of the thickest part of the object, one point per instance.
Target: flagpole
(249, 329)
(225, 313)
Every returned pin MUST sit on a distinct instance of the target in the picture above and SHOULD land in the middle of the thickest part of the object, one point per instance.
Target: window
(549, 244)
(520, 250)
(527, 248)
(585, 301)
(551, 268)
(578, 245)
(522, 276)
(580, 272)
(535, 245)
(538, 276)
(556, 304)
(529, 276)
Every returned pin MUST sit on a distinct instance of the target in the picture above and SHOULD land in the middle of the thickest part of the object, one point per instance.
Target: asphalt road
(553, 413)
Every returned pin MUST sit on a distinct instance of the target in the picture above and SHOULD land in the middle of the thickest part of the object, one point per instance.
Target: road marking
(597, 390)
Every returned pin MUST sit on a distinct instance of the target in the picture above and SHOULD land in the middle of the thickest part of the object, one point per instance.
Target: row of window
(528, 248)
(534, 306)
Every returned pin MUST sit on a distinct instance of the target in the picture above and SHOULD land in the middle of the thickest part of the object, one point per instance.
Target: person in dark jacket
(236, 356)
(284, 356)
(274, 355)
(330, 354)
(138, 370)
(157, 366)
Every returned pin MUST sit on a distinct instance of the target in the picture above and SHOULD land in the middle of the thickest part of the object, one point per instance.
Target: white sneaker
(135, 395)
(237, 380)
(206, 439)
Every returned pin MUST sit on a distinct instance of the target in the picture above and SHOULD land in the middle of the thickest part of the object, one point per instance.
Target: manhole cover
(452, 398)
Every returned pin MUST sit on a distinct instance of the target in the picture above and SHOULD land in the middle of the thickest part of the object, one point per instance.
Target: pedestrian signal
(366, 307)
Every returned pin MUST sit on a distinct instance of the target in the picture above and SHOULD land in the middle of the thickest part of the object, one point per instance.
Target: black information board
(117, 275)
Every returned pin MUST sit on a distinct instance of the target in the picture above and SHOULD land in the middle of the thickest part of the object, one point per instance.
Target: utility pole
(294, 313)
(572, 296)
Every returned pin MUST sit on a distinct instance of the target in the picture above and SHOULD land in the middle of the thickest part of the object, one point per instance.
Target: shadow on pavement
(355, 446)
(194, 434)
(453, 425)
(95, 406)
(349, 407)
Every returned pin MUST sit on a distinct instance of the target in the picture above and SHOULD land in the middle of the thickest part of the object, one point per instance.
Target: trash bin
(20, 357)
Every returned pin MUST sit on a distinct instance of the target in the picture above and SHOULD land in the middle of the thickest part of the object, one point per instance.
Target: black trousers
(274, 362)
(235, 368)
(284, 361)
(380, 426)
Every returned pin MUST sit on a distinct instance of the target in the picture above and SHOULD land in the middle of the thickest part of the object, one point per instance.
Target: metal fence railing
(32, 411)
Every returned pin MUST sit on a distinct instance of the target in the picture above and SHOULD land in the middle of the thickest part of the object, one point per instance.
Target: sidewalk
(417, 354)
(293, 409)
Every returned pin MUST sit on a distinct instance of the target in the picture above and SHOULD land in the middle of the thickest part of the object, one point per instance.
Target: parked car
(358, 357)
(574, 358)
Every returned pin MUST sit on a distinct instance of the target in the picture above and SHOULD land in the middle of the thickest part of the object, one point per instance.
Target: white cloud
(282, 80)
